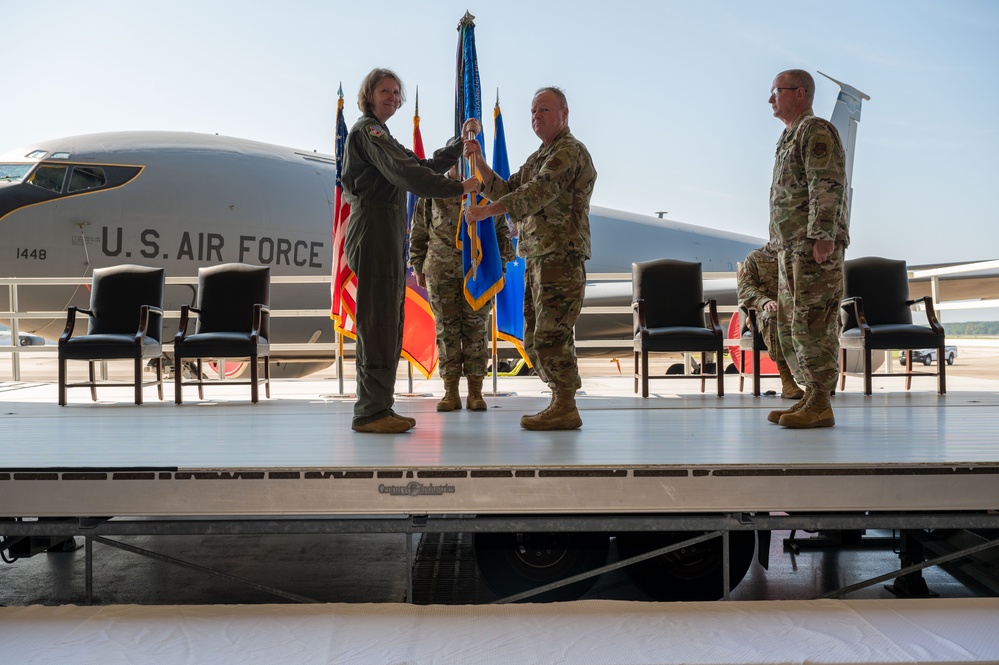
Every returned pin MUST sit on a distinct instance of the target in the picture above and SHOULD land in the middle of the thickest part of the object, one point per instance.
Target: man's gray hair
(799, 78)
(555, 91)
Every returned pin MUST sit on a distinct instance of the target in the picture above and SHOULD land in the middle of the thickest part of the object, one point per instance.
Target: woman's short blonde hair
(369, 83)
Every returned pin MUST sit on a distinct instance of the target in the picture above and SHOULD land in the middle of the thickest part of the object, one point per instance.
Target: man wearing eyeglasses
(809, 223)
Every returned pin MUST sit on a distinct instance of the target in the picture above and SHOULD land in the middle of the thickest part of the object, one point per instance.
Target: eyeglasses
(776, 91)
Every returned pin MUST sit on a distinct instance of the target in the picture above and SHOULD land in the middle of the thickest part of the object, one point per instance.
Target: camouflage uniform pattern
(757, 286)
(433, 251)
(549, 197)
(808, 202)
(377, 171)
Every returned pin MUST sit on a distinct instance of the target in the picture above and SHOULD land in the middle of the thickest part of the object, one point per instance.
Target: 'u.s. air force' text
(200, 246)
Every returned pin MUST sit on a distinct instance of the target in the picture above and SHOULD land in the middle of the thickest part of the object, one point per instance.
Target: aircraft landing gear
(691, 573)
(511, 563)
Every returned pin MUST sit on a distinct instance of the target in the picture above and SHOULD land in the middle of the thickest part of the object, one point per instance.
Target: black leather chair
(669, 315)
(126, 322)
(878, 317)
(233, 321)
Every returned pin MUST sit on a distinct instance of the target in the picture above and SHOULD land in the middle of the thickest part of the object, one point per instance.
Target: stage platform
(677, 452)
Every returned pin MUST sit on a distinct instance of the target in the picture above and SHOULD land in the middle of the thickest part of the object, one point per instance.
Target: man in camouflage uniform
(461, 330)
(377, 171)
(549, 197)
(809, 221)
(758, 291)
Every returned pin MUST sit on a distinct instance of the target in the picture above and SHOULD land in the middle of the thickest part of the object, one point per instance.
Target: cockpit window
(14, 172)
(86, 177)
(59, 155)
(49, 177)
(36, 154)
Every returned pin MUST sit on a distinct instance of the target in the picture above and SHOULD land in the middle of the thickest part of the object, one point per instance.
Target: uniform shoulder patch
(819, 149)
(376, 131)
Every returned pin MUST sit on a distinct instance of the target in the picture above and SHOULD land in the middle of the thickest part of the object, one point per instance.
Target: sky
(670, 97)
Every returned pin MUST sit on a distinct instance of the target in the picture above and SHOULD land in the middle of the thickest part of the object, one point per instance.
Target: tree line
(972, 328)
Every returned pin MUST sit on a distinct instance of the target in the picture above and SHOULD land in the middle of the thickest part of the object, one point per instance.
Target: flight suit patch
(375, 131)
(819, 150)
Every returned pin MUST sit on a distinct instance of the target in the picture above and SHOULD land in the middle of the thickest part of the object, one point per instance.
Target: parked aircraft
(182, 201)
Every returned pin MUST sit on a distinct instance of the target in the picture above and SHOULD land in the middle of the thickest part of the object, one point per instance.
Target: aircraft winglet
(846, 117)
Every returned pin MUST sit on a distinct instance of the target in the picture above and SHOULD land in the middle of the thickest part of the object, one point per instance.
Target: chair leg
(645, 373)
(721, 374)
(704, 360)
(742, 368)
(267, 376)
(62, 382)
(254, 372)
(941, 372)
(93, 380)
(137, 376)
(868, 390)
(201, 381)
(636, 371)
(842, 369)
(908, 371)
(178, 380)
(756, 373)
(159, 376)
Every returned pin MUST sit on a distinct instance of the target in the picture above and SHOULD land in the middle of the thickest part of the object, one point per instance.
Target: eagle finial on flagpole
(466, 20)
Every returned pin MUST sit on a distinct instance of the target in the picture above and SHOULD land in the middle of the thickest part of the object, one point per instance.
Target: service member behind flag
(549, 197)
(461, 329)
(419, 334)
(757, 287)
(377, 172)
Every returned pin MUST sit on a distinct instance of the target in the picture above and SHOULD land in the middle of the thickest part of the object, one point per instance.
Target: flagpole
(336, 306)
(339, 359)
(467, 21)
(495, 350)
(416, 119)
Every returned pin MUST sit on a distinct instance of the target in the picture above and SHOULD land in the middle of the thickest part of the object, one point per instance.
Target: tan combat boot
(788, 388)
(817, 412)
(451, 400)
(540, 414)
(775, 416)
(475, 401)
(561, 414)
(384, 425)
(411, 421)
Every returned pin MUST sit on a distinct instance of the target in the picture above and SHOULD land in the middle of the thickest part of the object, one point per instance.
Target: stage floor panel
(673, 452)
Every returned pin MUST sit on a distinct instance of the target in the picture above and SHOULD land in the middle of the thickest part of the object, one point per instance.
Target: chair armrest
(261, 313)
(145, 313)
(638, 316)
(185, 315)
(71, 322)
(857, 304)
(751, 322)
(712, 316)
(931, 315)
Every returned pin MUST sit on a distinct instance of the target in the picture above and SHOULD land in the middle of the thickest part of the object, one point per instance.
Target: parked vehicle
(929, 356)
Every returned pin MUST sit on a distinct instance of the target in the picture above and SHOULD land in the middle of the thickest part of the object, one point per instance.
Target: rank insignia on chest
(376, 131)
(819, 150)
